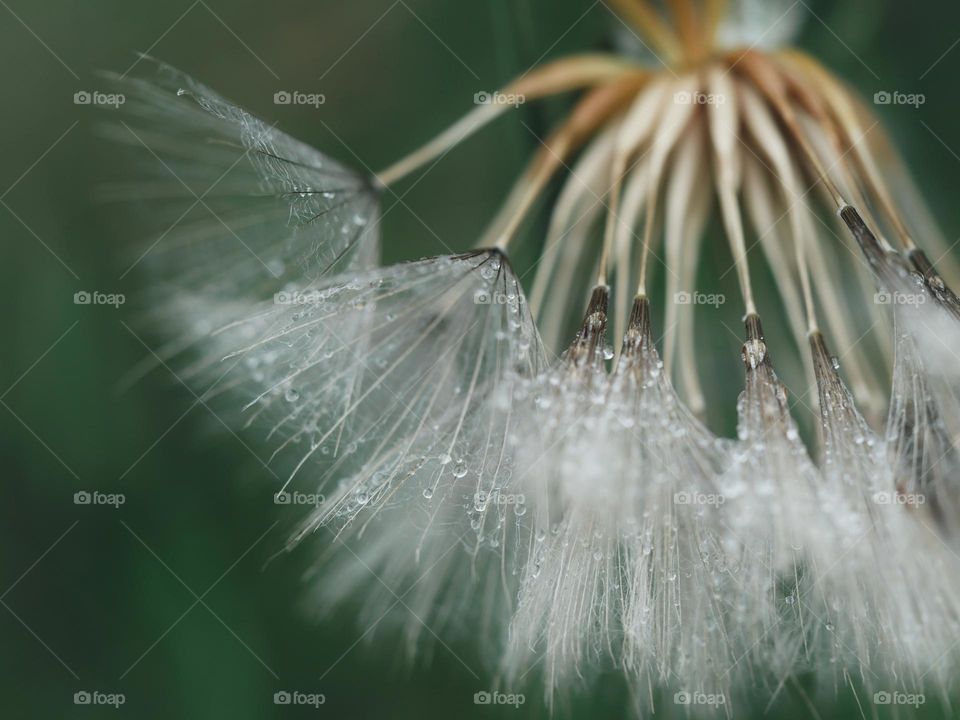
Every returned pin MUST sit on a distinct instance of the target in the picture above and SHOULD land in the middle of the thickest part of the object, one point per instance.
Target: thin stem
(688, 28)
(562, 75)
(650, 24)
(723, 123)
(713, 12)
(610, 228)
(591, 113)
(758, 69)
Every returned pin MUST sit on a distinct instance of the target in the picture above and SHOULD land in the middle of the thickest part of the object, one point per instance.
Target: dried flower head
(580, 507)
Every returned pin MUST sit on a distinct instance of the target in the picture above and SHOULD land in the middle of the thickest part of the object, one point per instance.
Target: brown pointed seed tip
(638, 334)
(587, 347)
(754, 350)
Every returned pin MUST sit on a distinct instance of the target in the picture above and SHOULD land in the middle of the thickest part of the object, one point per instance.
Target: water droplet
(276, 267)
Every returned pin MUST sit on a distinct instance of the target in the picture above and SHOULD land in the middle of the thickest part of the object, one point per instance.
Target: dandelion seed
(239, 208)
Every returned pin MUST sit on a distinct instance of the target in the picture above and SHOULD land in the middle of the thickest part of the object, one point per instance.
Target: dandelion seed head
(506, 467)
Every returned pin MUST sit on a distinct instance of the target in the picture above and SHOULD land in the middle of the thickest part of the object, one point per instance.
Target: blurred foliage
(170, 598)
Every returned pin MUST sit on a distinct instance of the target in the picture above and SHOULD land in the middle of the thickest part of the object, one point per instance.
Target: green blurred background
(170, 599)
